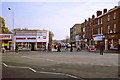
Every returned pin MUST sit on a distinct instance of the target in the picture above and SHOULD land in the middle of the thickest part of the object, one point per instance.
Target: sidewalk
(110, 51)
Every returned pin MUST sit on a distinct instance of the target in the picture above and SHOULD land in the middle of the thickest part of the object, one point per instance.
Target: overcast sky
(57, 16)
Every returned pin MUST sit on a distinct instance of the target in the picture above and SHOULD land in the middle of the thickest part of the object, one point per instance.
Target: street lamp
(13, 42)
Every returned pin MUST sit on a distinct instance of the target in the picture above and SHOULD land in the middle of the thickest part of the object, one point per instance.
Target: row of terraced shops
(26, 40)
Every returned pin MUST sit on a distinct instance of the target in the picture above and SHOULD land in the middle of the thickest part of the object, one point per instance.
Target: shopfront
(32, 39)
(113, 41)
(6, 41)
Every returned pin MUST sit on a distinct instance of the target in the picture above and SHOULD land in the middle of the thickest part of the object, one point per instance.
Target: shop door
(32, 46)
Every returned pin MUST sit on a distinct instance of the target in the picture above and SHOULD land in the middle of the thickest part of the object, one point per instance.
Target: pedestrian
(44, 47)
(108, 46)
(71, 48)
(78, 47)
(58, 50)
(66, 47)
(81, 46)
(49, 47)
(3, 50)
(101, 48)
(16, 48)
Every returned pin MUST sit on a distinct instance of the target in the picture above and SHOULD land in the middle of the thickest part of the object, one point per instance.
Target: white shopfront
(27, 39)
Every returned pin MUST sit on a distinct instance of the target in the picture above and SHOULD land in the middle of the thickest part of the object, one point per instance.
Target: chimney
(104, 11)
(85, 20)
(93, 16)
(99, 13)
(88, 19)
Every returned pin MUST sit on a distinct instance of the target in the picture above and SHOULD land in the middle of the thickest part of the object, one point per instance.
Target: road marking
(5, 64)
(47, 59)
(71, 76)
(32, 70)
(40, 71)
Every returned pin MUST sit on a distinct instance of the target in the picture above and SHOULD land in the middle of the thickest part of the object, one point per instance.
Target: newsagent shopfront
(6, 41)
(32, 39)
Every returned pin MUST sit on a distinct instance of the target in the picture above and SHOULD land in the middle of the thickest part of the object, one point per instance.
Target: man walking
(101, 48)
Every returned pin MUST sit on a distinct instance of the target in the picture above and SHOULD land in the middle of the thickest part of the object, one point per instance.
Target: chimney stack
(88, 19)
(99, 13)
(93, 16)
(85, 20)
(104, 11)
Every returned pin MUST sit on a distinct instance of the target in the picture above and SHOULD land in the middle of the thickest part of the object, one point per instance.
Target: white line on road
(41, 71)
(5, 65)
(32, 70)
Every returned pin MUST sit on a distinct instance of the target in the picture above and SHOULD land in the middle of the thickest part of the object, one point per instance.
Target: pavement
(61, 65)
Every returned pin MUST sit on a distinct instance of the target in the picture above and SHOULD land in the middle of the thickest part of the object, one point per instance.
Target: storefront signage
(77, 38)
(30, 38)
(98, 38)
(5, 36)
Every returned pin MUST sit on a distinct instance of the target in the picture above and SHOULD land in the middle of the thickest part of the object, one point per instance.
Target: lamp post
(13, 41)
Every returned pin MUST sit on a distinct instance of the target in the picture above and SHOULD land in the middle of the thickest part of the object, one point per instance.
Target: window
(108, 29)
(101, 30)
(114, 17)
(101, 20)
(108, 17)
(83, 35)
(98, 30)
(98, 21)
(83, 29)
(114, 28)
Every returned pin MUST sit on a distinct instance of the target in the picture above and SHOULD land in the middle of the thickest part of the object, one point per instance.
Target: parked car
(91, 48)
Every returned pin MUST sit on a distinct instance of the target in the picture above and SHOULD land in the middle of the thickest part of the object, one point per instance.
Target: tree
(3, 29)
(50, 37)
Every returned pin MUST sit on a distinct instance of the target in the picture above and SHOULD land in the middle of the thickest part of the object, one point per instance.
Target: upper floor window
(83, 29)
(108, 17)
(101, 30)
(108, 29)
(114, 28)
(114, 17)
(98, 21)
(98, 30)
(101, 20)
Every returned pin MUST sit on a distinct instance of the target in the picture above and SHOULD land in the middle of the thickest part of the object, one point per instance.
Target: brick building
(75, 32)
(107, 25)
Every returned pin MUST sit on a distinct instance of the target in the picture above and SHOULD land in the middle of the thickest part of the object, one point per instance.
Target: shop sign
(77, 38)
(98, 38)
(95, 42)
(30, 39)
(115, 36)
(5, 36)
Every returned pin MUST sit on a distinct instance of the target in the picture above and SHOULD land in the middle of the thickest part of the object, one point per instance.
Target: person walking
(58, 48)
(101, 48)
(78, 47)
(16, 48)
(71, 48)
(66, 47)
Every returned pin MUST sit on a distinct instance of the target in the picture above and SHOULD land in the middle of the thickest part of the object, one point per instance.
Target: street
(73, 65)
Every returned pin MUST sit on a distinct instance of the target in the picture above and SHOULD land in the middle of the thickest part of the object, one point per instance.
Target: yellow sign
(35, 45)
(95, 42)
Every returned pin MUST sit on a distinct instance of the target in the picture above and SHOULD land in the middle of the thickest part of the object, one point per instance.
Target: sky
(57, 16)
